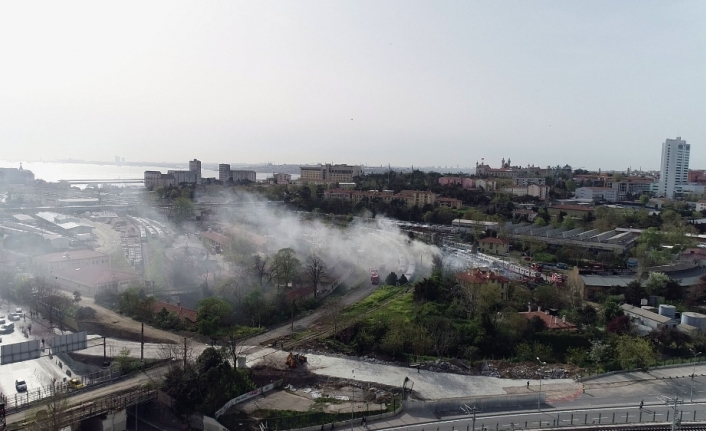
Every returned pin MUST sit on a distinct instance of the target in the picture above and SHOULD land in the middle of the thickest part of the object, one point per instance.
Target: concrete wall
(110, 422)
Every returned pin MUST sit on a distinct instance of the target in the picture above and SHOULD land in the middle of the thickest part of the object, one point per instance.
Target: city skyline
(597, 84)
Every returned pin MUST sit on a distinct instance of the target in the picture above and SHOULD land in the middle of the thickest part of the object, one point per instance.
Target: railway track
(323, 333)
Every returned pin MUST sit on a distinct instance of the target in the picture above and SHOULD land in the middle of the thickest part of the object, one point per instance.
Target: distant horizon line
(178, 164)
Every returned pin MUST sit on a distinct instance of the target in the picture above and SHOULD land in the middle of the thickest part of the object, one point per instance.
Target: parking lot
(37, 373)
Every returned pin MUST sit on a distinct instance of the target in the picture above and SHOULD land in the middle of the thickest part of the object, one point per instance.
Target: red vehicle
(558, 279)
(374, 276)
(536, 267)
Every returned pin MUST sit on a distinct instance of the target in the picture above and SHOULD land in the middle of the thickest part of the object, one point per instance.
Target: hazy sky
(593, 83)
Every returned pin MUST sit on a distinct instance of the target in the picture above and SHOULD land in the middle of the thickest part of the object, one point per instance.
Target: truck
(374, 276)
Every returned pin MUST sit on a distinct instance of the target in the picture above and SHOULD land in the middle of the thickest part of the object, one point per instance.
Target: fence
(312, 421)
(460, 406)
(25, 399)
(247, 396)
(74, 414)
(591, 373)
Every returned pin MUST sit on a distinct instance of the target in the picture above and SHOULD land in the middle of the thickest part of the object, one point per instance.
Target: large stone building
(18, 176)
(156, 179)
(330, 173)
(409, 197)
(607, 194)
(225, 174)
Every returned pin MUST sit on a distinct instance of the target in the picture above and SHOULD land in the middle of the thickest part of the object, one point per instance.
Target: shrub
(85, 313)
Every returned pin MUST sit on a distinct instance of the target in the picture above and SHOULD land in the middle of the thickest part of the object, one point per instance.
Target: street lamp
(539, 394)
(693, 373)
(353, 399)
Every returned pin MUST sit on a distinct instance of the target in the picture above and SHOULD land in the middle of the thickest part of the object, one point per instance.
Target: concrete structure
(526, 181)
(538, 191)
(10, 176)
(409, 197)
(223, 172)
(242, 175)
(63, 224)
(674, 172)
(330, 173)
(156, 179)
(24, 218)
(597, 194)
(70, 202)
(646, 321)
(700, 205)
(91, 280)
(48, 263)
(697, 320)
(281, 178)
(631, 186)
(495, 246)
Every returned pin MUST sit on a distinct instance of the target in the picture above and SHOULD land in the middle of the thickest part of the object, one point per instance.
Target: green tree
(635, 352)
(568, 223)
(402, 280)
(183, 210)
(211, 314)
(286, 266)
(391, 279)
(657, 283)
(644, 199)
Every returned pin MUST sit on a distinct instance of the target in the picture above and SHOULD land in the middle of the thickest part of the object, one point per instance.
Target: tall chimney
(563, 318)
(539, 308)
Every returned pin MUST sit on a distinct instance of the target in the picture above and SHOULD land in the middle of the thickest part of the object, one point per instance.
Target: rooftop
(645, 314)
(72, 255)
(184, 313)
(95, 276)
(551, 322)
(492, 240)
(572, 207)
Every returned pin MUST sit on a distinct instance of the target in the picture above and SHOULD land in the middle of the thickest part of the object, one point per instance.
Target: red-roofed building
(478, 277)
(553, 323)
(186, 314)
(494, 245)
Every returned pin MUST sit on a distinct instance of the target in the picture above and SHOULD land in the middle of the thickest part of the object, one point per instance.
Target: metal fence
(23, 400)
(75, 414)
(461, 406)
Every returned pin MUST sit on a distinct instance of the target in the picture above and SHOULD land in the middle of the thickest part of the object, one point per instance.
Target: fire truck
(374, 276)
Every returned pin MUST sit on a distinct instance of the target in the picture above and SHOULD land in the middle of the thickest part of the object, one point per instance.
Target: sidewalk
(671, 372)
(668, 372)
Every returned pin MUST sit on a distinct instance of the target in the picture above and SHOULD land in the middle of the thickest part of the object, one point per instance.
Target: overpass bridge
(107, 405)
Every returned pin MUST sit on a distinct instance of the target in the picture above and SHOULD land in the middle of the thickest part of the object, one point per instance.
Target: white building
(675, 167)
(597, 194)
(645, 321)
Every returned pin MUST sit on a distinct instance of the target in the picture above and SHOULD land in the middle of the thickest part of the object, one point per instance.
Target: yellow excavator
(295, 359)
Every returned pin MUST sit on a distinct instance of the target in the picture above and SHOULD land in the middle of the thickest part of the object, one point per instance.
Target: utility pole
(672, 402)
(184, 353)
(142, 349)
(539, 394)
(693, 374)
(103, 349)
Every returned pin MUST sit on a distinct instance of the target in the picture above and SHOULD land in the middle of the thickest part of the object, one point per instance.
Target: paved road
(620, 394)
(154, 375)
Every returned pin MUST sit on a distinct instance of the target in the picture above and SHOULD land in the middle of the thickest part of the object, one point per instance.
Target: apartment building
(330, 173)
(225, 173)
(409, 197)
(674, 171)
(173, 177)
(607, 194)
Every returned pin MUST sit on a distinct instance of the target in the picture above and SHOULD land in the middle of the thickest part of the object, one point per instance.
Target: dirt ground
(110, 324)
(302, 400)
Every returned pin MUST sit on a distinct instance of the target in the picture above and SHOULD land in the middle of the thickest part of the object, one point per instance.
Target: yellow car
(75, 383)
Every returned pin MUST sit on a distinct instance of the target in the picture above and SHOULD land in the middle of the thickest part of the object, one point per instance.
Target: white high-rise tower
(675, 167)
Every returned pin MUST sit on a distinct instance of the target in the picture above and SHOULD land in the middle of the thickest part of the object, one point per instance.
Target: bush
(85, 313)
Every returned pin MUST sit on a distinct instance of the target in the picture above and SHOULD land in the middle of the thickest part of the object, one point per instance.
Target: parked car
(13, 316)
(562, 265)
(20, 385)
(18, 310)
(7, 329)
